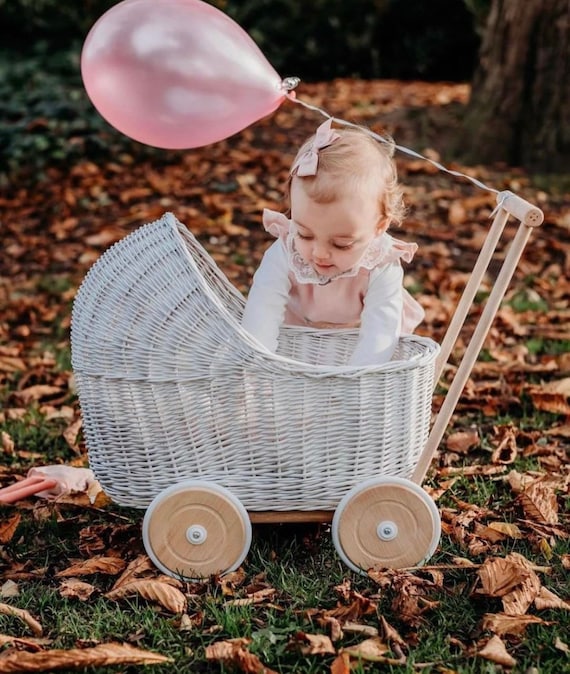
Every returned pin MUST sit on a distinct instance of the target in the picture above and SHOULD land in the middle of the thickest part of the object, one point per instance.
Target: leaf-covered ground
(506, 447)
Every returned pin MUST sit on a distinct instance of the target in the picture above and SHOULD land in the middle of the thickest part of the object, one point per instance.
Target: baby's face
(333, 237)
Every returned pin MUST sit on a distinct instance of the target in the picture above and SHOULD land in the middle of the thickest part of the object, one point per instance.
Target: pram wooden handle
(522, 210)
(529, 216)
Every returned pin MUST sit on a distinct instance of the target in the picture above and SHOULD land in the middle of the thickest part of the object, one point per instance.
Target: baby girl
(334, 265)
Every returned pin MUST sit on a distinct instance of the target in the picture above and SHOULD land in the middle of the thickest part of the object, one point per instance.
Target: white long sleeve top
(371, 296)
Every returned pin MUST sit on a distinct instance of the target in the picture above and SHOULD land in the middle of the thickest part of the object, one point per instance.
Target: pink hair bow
(307, 162)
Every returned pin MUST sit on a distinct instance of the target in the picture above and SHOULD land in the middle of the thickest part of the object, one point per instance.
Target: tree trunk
(519, 110)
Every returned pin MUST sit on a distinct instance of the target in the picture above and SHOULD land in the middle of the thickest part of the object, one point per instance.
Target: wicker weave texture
(172, 388)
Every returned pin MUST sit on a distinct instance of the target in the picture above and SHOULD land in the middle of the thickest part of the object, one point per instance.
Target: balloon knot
(290, 83)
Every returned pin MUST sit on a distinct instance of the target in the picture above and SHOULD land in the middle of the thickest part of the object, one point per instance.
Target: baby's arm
(265, 307)
(381, 318)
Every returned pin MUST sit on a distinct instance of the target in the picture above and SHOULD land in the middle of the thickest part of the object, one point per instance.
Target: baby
(333, 264)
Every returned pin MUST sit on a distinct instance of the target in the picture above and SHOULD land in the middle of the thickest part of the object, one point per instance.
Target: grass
(301, 565)
(298, 562)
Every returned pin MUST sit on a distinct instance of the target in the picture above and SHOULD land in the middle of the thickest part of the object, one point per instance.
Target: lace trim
(381, 250)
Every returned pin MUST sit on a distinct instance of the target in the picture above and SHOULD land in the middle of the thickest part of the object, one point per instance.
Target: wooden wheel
(386, 522)
(195, 529)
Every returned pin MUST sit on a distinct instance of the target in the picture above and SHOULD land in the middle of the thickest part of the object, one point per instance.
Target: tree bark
(519, 111)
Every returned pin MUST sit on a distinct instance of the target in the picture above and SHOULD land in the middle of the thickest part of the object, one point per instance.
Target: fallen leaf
(512, 579)
(23, 615)
(547, 599)
(495, 651)
(256, 597)
(9, 589)
(370, 649)
(357, 628)
(501, 623)
(74, 588)
(70, 435)
(506, 528)
(539, 503)
(234, 652)
(7, 443)
(103, 655)
(8, 528)
(107, 565)
(171, 598)
(463, 441)
(506, 450)
(136, 568)
(390, 634)
(313, 644)
(341, 664)
(37, 392)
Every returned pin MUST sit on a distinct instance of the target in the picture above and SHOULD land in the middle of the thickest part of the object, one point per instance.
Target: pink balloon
(176, 73)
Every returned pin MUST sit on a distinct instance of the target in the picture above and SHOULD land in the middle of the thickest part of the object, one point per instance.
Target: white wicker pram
(187, 415)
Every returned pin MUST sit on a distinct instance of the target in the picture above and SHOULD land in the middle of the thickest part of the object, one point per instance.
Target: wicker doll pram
(187, 415)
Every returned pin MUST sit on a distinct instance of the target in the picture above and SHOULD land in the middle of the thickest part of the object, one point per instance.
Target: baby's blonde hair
(355, 164)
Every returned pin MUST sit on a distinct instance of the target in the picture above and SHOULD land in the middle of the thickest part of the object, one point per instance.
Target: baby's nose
(320, 251)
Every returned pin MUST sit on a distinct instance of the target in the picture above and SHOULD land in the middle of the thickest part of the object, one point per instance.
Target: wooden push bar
(529, 216)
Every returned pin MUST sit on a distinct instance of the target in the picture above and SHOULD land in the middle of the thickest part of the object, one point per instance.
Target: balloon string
(401, 148)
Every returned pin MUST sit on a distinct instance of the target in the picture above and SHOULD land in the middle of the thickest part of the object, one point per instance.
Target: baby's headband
(307, 162)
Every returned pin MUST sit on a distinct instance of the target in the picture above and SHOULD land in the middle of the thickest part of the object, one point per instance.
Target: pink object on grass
(48, 482)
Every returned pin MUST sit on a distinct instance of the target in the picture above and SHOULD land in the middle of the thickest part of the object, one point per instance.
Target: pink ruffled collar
(383, 249)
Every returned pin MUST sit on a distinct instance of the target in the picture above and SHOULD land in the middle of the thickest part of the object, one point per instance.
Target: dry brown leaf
(136, 568)
(102, 655)
(466, 471)
(501, 623)
(314, 644)
(358, 607)
(507, 528)
(463, 441)
(224, 650)
(559, 431)
(9, 589)
(8, 528)
(23, 615)
(488, 533)
(519, 481)
(7, 443)
(463, 562)
(73, 588)
(499, 576)
(495, 651)
(37, 392)
(171, 598)
(547, 599)
(552, 401)
(110, 566)
(341, 664)
(12, 364)
(334, 626)
(369, 649)
(561, 646)
(511, 578)
(506, 450)
(235, 653)
(231, 581)
(390, 634)
(539, 503)
(70, 435)
(257, 597)
(28, 644)
(357, 628)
